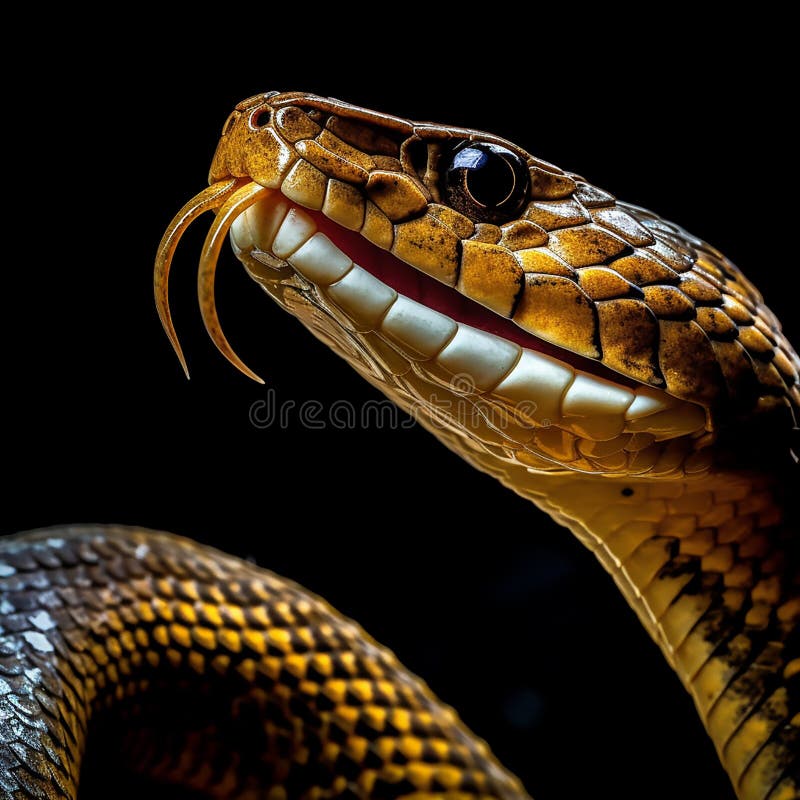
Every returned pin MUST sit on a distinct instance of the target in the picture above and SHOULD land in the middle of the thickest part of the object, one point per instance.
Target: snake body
(297, 700)
(596, 359)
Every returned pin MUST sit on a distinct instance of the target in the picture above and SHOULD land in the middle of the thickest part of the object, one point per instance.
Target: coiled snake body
(617, 371)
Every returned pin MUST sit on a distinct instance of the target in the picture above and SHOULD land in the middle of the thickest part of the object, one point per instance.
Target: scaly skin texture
(693, 526)
(708, 561)
(594, 276)
(685, 506)
(297, 701)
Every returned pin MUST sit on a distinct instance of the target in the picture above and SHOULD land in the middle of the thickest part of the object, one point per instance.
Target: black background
(503, 613)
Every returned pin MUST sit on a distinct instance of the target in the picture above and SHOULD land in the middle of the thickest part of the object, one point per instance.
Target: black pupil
(489, 177)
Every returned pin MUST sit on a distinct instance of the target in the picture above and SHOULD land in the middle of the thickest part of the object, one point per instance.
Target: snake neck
(709, 563)
(710, 566)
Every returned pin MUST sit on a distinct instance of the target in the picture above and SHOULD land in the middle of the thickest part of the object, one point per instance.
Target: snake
(596, 359)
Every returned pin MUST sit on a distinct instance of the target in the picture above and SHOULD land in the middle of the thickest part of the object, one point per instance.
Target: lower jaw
(393, 302)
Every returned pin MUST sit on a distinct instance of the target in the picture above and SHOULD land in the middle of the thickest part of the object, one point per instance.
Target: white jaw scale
(550, 392)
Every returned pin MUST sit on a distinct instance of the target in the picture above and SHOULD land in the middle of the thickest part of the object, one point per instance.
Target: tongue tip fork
(234, 205)
(230, 198)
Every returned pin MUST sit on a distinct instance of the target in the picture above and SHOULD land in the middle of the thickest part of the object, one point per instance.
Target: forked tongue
(228, 198)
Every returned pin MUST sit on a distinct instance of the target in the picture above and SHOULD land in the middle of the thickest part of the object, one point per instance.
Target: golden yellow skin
(691, 525)
(690, 518)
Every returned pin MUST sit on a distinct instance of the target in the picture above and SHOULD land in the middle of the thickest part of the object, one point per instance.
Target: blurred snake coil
(602, 362)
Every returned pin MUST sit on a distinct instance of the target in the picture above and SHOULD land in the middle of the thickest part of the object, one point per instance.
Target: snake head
(450, 267)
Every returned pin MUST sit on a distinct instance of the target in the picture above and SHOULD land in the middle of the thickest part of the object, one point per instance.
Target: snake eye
(260, 118)
(487, 182)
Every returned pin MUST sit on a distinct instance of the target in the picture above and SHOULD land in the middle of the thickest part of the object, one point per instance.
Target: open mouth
(426, 320)
(424, 289)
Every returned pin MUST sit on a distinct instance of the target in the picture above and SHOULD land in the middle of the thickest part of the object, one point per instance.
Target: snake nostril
(260, 118)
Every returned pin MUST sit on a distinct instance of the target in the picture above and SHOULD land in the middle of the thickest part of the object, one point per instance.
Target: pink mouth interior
(418, 286)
